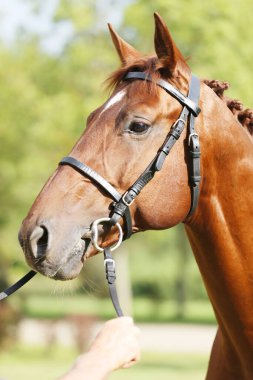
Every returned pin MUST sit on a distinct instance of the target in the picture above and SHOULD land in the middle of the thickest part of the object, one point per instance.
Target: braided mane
(243, 115)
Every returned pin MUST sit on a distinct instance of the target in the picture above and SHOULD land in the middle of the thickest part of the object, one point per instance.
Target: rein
(120, 206)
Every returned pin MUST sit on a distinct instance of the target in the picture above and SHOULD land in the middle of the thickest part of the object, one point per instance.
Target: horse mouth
(87, 246)
(70, 265)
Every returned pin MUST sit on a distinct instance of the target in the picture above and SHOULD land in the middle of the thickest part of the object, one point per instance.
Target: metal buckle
(94, 234)
(124, 199)
(178, 120)
(109, 261)
(190, 136)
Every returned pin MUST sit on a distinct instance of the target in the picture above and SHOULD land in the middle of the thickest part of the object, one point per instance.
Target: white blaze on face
(115, 99)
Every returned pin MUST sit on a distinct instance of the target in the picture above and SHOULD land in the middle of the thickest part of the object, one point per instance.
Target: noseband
(120, 206)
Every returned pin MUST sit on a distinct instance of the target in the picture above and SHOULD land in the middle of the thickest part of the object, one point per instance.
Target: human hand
(116, 346)
(117, 342)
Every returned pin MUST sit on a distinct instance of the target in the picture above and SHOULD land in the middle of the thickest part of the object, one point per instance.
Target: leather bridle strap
(187, 101)
(105, 185)
(194, 146)
(13, 288)
(111, 277)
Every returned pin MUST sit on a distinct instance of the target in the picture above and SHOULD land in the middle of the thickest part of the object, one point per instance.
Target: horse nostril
(39, 241)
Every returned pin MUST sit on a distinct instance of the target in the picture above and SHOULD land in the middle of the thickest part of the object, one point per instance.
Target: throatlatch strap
(13, 288)
(194, 145)
(111, 277)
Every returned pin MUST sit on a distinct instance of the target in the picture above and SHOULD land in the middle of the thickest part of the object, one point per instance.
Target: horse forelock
(243, 115)
(154, 68)
(148, 64)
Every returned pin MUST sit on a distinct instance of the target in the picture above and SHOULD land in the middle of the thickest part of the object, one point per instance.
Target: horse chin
(68, 271)
(68, 267)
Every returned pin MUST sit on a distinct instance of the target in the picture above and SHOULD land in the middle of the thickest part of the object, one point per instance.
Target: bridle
(120, 206)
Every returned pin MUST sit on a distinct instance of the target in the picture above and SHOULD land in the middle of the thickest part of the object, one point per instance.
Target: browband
(184, 100)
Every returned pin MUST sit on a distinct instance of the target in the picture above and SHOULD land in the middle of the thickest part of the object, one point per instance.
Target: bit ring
(94, 234)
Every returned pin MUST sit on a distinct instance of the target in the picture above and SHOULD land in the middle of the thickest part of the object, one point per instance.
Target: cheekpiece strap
(189, 111)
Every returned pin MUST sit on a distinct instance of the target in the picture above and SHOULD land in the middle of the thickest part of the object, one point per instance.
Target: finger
(131, 363)
(126, 320)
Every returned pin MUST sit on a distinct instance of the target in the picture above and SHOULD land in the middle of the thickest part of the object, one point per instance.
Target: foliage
(216, 36)
(45, 99)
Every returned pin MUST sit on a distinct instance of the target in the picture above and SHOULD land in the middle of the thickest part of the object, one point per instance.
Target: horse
(121, 138)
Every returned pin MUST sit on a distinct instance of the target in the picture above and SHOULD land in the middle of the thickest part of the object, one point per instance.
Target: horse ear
(125, 51)
(166, 50)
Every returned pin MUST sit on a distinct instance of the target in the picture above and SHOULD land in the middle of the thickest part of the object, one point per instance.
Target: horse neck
(220, 232)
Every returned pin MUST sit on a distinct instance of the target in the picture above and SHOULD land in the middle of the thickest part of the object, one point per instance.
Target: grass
(27, 363)
(160, 367)
(30, 363)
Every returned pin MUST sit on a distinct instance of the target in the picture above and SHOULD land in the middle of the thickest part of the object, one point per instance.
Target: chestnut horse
(121, 138)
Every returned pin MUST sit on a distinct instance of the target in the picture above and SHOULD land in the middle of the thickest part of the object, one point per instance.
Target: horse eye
(138, 127)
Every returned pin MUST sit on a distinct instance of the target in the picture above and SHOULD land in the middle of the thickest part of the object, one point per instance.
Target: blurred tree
(182, 276)
(215, 35)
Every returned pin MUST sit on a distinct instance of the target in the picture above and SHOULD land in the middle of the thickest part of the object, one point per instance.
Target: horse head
(121, 138)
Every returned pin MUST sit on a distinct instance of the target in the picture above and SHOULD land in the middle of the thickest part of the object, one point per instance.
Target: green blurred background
(54, 58)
